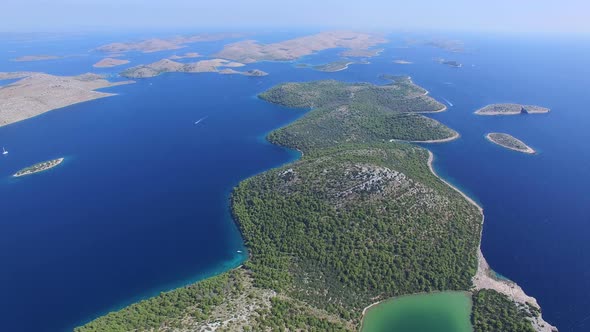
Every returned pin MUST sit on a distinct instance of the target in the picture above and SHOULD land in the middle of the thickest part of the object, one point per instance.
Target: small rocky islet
(511, 109)
(509, 142)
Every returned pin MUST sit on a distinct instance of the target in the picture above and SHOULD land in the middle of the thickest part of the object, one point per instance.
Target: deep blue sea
(140, 204)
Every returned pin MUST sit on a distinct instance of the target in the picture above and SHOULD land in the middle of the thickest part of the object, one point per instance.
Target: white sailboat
(4, 151)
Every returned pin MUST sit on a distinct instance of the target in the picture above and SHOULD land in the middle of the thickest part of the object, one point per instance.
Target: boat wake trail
(448, 102)
(198, 121)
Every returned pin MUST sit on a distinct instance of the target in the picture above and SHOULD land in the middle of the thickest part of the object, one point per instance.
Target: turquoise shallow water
(437, 312)
(141, 205)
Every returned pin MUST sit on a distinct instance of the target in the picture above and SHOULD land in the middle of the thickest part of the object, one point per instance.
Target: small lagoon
(435, 312)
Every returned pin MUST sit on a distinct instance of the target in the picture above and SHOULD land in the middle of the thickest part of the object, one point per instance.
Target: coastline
(341, 69)
(97, 95)
(426, 93)
(469, 199)
(17, 101)
(442, 140)
(444, 108)
(485, 277)
(225, 267)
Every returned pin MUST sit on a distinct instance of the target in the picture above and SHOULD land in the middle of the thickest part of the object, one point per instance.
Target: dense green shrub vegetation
(284, 315)
(401, 95)
(167, 308)
(314, 238)
(357, 123)
(494, 312)
(356, 113)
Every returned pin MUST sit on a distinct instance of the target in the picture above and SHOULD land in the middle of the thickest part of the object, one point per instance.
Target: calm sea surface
(141, 203)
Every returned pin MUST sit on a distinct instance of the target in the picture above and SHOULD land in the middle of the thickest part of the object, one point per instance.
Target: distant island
(361, 53)
(332, 66)
(511, 109)
(37, 93)
(159, 44)
(28, 58)
(450, 63)
(509, 142)
(185, 56)
(357, 220)
(110, 62)
(248, 51)
(251, 72)
(39, 167)
(15, 74)
(220, 66)
(455, 46)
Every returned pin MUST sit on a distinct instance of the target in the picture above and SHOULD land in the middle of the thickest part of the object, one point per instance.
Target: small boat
(239, 251)
(4, 151)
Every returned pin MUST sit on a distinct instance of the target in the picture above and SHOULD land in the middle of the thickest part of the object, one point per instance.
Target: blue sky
(565, 16)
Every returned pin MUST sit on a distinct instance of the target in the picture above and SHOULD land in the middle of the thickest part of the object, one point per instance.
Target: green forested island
(358, 219)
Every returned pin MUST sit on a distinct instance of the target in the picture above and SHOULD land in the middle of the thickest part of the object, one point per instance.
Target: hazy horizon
(502, 16)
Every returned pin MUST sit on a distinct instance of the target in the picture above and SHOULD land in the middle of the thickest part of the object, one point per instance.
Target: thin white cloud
(498, 15)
